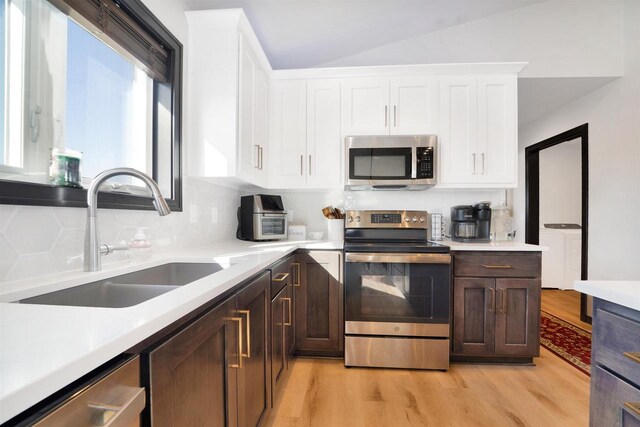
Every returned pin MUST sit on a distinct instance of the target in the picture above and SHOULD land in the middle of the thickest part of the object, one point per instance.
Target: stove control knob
(406, 219)
(414, 219)
(421, 219)
(357, 219)
(350, 219)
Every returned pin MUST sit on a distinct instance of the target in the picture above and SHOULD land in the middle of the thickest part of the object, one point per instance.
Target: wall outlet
(193, 214)
(214, 215)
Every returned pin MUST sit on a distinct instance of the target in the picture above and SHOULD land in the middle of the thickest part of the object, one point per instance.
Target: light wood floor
(565, 305)
(324, 393)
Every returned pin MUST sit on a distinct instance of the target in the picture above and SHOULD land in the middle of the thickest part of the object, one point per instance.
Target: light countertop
(493, 246)
(44, 348)
(625, 293)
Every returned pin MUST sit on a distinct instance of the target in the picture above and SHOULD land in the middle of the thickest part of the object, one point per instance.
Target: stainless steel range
(397, 292)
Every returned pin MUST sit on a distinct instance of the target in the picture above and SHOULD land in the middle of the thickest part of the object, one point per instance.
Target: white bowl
(316, 235)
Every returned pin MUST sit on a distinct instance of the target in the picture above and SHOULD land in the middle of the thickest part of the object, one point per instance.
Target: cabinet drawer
(614, 402)
(475, 264)
(280, 277)
(616, 344)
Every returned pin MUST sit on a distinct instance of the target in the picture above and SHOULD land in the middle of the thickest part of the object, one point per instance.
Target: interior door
(518, 317)
(254, 379)
(458, 131)
(324, 145)
(365, 104)
(474, 319)
(414, 104)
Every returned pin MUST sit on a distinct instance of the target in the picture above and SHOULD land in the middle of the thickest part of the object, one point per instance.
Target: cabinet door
(474, 302)
(414, 104)
(294, 283)
(260, 121)
(324, 145)
(458, 131)
(288, 134)
(247, 151)
(319, 304)
(365, 106)
(518, 317)
(192, 378)
(254, 379)
(278, 355)
(497, 130)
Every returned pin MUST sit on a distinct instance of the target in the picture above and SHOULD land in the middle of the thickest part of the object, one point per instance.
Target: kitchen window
(99, 77)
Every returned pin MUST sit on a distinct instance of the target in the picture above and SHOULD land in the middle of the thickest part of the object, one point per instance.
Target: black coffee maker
(471, 224)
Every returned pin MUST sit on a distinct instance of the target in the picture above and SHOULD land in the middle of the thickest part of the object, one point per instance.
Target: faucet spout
(92, 261)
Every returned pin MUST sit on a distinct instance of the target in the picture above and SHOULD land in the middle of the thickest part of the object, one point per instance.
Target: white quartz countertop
(625, 293)
(44, 348)
(494, 246)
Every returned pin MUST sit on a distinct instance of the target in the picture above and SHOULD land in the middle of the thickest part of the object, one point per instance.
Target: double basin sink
(129, 289)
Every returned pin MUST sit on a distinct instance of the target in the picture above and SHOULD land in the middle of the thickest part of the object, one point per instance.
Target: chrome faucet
(92, 247)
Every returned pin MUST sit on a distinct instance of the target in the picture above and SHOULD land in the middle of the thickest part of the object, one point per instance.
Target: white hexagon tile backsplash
(36, 241)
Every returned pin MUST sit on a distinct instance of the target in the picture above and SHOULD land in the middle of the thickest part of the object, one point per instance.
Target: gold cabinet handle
(239, 320)
(395, 122)
(260, 156)
(309, 171)
(492, 307)
(482, 157)
(633, 407)
(288, 300)
(248, 314)
(257, 164)
(301, 163)
(296, 266)
(635, 356)
(496, 266)
(280, 277)
(473, 160)
(386, 115)
(503, 301)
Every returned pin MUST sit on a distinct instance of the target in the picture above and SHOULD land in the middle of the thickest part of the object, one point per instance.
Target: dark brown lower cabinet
(319, 300)
(192, 378)
(254, 378)
(278, 350)
(496, 317)
(216, 371)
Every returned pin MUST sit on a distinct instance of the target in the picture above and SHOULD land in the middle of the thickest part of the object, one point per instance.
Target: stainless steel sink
(129, 289)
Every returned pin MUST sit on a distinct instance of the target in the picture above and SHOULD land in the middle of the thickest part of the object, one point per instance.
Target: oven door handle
(398, 258)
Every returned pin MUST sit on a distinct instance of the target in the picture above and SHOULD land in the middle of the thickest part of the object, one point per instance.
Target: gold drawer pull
(634, 407)
(281, 277)
(495, 266)
(296, 266)
(239, 320)
(288, 300)
(633, 356)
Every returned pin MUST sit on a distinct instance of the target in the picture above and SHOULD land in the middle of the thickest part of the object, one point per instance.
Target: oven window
(397, 292)
(380, 163)
(273, 226)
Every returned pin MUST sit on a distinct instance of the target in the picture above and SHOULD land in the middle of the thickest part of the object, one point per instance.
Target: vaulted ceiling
(303, 34)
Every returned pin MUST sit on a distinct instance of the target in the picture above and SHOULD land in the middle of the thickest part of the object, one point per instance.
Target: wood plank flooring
(565, 305)
(325, 393)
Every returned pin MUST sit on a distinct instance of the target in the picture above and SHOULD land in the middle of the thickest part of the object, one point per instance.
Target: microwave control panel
(424, 164)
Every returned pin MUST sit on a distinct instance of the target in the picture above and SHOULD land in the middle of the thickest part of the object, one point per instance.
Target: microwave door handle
(414, 162)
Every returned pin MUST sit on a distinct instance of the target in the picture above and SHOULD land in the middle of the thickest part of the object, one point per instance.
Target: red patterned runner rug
(567, 341)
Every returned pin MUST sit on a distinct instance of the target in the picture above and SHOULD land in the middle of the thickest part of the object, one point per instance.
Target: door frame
(532, 188)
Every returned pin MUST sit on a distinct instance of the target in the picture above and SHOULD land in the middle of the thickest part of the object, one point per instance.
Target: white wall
(558, 38)
(561, 183)
(613, 115)
(37, 241)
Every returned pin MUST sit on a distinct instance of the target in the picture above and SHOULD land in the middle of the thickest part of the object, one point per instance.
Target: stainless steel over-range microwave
(390, 162)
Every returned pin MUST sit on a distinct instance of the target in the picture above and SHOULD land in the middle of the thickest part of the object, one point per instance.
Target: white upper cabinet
(287, 166)
(324, 145)
(227, 98)
(413, 106)
(305, 134)
(478, 132)
(390, 106)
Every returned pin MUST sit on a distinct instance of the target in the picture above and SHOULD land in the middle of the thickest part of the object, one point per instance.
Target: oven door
(384, 165)
(383, 291)
(270, 226)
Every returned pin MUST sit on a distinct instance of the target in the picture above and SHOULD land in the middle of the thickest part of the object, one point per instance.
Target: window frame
(25, 193)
